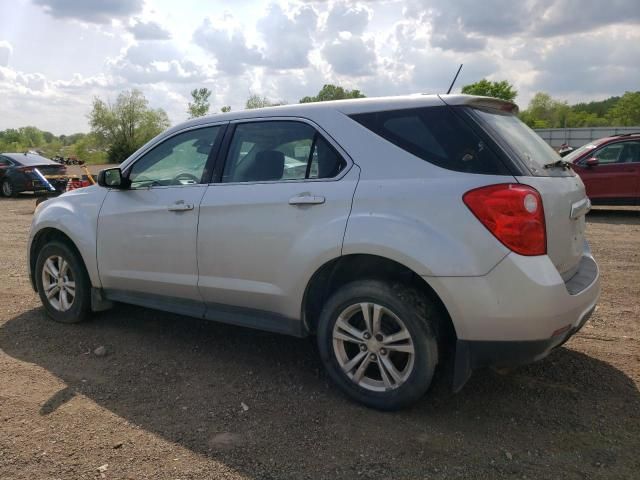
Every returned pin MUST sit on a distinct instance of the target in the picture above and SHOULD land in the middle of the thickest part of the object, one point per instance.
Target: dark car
(17, 173)
(610, 169)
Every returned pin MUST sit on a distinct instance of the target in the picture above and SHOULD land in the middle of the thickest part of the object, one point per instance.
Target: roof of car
(28, 158)
(620, 136)
(353, 106)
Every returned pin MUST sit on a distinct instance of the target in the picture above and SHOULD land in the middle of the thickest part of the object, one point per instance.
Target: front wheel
(63, 283)
(378, 343)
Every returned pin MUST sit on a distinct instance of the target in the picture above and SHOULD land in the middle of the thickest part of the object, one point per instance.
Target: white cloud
(351, 56)
(287, 38)
(347, 17)
(91, 11)
(162, 62)
(149, 31)
(228, 46)
(5, 53)
(286, 49)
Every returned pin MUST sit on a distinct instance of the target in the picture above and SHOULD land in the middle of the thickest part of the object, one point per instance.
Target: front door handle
(180, 206)
(306, 199)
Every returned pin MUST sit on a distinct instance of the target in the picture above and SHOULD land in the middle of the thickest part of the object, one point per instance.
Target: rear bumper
(471, 355)
(22, 184)
(518, 312)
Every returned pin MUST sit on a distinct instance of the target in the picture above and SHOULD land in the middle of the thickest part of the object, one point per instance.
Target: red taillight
(513, 214)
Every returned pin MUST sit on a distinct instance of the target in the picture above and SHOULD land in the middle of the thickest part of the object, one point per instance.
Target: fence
(576, 137)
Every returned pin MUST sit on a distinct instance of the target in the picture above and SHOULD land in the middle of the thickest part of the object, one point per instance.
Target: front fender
(75, 214)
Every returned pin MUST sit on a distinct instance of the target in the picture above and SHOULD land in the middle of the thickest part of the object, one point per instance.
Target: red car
(610, 169)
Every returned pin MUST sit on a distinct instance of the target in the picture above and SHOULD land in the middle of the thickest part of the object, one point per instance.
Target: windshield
(578, 152)
(530, 148)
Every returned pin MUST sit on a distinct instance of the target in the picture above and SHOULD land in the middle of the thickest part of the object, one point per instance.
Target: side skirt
(243, 317)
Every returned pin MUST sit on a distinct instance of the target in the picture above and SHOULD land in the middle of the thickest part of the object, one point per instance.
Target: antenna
(454, 79)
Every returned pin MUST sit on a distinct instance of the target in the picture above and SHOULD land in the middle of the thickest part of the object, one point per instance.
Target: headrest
(268, 165)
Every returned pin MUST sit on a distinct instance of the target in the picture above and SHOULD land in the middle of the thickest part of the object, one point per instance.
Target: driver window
(180, 160)
(621, 152)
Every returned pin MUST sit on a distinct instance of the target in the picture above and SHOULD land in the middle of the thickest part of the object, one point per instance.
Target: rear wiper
(559, 163)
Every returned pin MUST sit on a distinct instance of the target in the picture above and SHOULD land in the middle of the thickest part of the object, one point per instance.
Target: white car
(400, 231)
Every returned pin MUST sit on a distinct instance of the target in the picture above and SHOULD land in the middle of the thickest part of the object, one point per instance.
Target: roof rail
(625, 134)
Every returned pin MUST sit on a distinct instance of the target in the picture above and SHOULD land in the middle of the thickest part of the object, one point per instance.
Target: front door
(147, 233)
(278, 212)
(616, 177)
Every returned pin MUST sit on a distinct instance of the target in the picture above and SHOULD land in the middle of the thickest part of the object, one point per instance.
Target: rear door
(276, 213)
(616, 177)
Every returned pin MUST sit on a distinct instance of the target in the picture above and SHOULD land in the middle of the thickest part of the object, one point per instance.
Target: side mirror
(112, 178)
(592, 162)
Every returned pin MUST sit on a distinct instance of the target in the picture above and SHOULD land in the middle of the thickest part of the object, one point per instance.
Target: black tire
(419, 316)
(7, 189)
(81, 305)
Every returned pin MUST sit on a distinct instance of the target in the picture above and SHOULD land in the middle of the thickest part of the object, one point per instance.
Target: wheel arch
(40, 239)
(347, 268)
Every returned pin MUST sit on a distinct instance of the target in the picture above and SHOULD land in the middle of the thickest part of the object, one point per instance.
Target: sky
(57, 55)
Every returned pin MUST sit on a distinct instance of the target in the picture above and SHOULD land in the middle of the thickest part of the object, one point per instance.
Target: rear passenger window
(437, 135)
(279, 150)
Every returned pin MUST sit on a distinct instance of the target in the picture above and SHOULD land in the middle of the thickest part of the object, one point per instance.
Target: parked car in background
(402, 232)
(610, 169)
(17, 173)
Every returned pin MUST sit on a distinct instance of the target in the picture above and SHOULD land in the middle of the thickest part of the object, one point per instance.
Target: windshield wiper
(560, 163)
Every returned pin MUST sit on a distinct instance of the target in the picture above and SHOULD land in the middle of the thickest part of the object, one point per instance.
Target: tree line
(119, 128)
(545, 111)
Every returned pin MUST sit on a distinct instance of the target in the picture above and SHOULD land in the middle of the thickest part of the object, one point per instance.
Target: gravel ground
(175, 398)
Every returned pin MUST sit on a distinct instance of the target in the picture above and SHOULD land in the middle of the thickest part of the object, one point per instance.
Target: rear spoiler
(480, 102)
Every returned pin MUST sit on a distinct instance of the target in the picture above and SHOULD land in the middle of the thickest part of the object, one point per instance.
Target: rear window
(437, 135)
(525, 144)
(29, 160)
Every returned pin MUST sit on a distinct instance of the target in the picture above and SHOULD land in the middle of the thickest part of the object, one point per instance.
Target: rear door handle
(180, 206)
(306, 200)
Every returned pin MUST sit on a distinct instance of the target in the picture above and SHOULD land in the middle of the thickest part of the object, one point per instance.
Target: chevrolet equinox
(403, 232)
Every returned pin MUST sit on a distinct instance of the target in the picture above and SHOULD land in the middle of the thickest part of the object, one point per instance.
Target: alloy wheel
(58, 283)
(373, 347)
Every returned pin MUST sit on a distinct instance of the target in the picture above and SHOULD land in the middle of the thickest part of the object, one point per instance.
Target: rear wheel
(8, 190)
(378, 344)
(63, 283)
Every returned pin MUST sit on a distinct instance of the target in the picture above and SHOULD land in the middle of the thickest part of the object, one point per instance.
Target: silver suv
(404, 233)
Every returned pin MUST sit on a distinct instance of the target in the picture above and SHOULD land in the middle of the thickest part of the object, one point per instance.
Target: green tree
(31, 137)
(226, 109)
(257, 101)
(200, 105)
(487, 88)
(333, 92)
(126, 125)
(599, 108)
(626, 111)
(87, 148)
(546, 112)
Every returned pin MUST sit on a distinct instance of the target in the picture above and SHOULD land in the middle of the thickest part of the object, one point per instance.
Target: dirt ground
(168, 399)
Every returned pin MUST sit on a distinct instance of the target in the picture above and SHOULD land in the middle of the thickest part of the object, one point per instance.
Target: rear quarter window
(436, 135)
